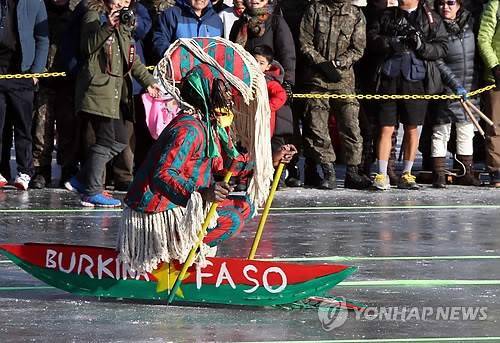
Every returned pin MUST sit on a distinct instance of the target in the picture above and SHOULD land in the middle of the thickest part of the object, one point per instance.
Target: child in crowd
(274, 76)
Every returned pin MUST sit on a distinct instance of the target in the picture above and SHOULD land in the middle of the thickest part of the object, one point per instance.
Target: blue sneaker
(74, 185)
(100, 200)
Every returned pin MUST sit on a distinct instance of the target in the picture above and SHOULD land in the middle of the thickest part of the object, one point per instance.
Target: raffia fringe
(147, 239)
(252, 115)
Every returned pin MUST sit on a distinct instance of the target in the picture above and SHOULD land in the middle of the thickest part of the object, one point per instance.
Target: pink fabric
(159, 113)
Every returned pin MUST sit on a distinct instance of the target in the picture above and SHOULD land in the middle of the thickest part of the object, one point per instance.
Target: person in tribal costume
(170, 195)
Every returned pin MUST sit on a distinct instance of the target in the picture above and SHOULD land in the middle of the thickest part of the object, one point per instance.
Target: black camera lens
(127, 16)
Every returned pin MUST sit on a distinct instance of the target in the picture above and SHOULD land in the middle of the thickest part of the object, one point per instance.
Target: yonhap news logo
(332, 313)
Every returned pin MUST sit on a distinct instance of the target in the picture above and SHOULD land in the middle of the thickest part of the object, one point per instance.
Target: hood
(276, 72)
(96, 5)
(161, 5)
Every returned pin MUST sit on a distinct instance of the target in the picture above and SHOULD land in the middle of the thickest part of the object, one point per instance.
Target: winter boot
(329, 180)
(438, 172)
(468, 179)
(41, 179)
(311, 176)
(354, 180)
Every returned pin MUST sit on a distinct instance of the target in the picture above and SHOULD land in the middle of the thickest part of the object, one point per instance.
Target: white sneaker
(22, 181)
(3, 181)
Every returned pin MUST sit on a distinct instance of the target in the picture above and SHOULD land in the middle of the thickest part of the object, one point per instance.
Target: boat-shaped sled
(96, 271)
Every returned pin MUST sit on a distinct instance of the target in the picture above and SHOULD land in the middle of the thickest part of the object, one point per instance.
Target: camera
(127, 16)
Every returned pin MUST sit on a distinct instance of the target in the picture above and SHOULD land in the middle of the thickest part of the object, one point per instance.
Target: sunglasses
(448, 2)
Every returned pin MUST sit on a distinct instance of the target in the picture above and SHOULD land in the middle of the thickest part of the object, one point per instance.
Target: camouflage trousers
(317, 142)
(54, 104)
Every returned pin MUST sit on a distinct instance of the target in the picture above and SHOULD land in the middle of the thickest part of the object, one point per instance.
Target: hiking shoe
(74, 185)
(407, 181)
(22, 181)
(100, 200)
(381, 182)
(3, 181)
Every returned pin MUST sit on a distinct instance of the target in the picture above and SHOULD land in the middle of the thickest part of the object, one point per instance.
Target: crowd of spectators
(96, 115)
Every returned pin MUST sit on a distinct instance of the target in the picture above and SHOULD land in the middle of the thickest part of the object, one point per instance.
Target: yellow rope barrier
(305, 96)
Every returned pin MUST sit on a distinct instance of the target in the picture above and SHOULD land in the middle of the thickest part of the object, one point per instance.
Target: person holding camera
(104, 92)
(405, 38)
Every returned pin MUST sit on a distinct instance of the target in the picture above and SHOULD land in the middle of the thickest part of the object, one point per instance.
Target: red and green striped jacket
(176, 166)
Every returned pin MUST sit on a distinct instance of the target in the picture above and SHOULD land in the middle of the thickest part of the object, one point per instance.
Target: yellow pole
(192, 253)
(267, 208)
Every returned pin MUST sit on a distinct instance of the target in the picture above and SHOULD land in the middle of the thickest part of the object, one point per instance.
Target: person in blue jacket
(24, 47)
(187, 19)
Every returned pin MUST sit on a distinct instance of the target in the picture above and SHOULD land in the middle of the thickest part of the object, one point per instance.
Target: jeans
(111, 138)
(16, 98)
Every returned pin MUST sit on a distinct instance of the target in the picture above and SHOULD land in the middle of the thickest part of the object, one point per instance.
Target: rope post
(192, 253)
(267, 208)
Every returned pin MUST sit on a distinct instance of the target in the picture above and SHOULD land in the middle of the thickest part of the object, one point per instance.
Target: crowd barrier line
(306, 96)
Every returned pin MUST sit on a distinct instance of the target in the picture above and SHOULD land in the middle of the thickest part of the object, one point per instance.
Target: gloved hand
(287, 85)
(329, 71)
(414, 40)
(462, 92)
(397, 45)
(496, 74)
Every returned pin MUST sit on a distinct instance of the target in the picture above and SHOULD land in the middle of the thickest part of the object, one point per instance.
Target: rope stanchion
(305, 96)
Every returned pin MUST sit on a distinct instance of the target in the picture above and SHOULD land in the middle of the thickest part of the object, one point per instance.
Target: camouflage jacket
(332, 30)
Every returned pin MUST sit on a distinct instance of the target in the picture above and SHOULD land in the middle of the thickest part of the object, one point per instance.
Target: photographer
(104, 92)
(406, 39)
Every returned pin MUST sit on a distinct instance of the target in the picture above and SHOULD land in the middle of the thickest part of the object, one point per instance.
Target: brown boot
(438, 172)
(468, 179)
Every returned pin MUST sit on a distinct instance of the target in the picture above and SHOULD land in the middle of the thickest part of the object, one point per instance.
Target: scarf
(456, 26)
(198, 85)
(254, 23)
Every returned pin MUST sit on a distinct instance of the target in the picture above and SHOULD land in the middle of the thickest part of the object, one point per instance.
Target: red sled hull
(96, 271)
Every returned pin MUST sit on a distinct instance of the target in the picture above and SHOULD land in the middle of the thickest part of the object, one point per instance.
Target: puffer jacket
(488, 38)
(104, 83)
(332, 30)
(458, 68)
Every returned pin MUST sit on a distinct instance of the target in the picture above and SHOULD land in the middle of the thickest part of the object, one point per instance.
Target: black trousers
(16, 101)
(111, 138)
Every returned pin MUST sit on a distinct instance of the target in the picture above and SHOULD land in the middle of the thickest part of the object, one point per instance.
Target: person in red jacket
(274, 76)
